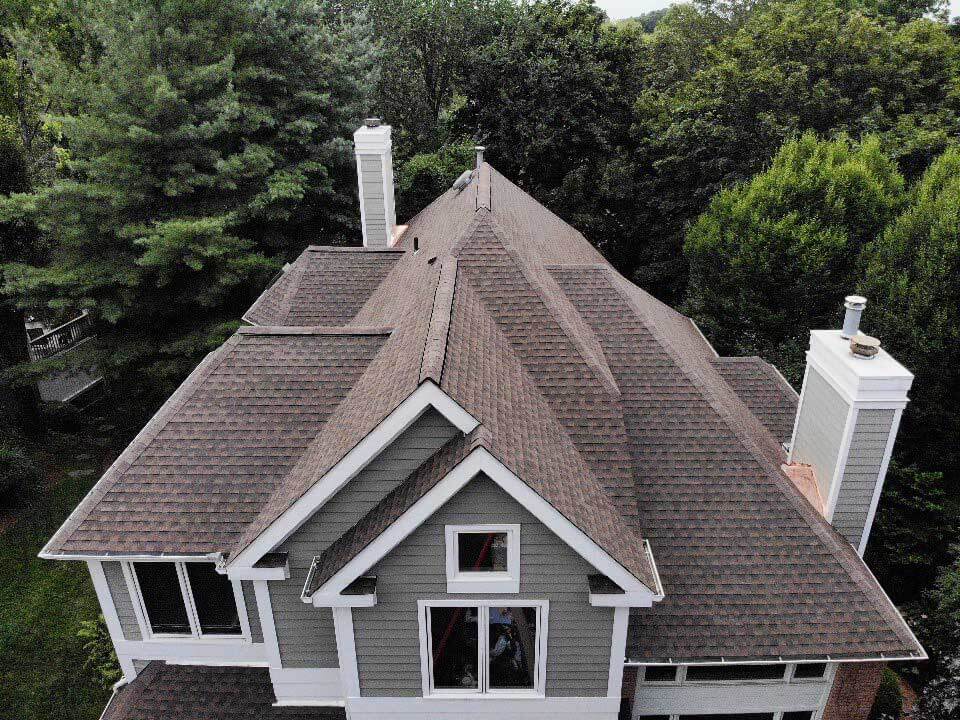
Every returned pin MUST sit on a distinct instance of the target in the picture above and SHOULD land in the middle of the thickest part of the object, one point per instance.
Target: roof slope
(609, 404)
(190, 692)
(764, 390)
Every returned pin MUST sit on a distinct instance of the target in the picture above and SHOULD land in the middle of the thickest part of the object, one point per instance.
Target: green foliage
(940, 633)
(725, 89)
(101, 658)
(912, 276)
(888, 704)
(772, 258)
(17, 472)
(424, 177)
(212, 136)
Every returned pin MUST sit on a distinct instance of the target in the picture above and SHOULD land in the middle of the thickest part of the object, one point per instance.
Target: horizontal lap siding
(375, 214)
(253, 617)
(387, 635)
(305, 633)
(122, 601)
(870, 435)
(823, 416)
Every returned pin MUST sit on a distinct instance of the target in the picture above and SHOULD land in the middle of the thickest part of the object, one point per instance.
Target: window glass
(732, 716)
(735, 672)
(810, 670)
(482, 551)
(802, 715)
(454, 634)
(513, 647)
(162, 598)
(214, 600)
(660, 673)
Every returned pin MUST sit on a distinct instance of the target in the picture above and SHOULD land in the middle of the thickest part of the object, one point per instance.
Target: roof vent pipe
(851, 319)
(479, 149)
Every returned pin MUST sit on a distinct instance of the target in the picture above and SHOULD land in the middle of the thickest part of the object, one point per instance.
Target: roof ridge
(837, 546)
(352, 248)
(312, 330)
(142, 440)
(435, 343)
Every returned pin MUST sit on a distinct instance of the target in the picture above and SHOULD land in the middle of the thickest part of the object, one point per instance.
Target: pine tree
(212, 141)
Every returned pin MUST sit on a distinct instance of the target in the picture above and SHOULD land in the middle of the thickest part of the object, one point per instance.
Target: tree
(773, 257)
(211, 136)
(940, 632)
(724, 90)
(912, 278)
(425, 176)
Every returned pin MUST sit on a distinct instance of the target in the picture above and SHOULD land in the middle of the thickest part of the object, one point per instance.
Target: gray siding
(375, 214)
(862, 471)
(387, 635)
(253, 617)
(122, 600)
(820, 429)
(305, 633)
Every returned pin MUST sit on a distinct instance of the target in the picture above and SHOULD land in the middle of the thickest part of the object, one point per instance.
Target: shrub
(101, 659)
(17, 471)
(888, 704)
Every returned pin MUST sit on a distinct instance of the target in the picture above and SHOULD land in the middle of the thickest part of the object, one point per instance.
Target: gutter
(780, 660)
(117, 687)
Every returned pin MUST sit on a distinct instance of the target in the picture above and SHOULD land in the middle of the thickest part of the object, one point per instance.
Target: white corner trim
(482, 461)
(346, 651)
(881, 478)
(110, 615)
(267, 627)
(427, 395)
(483, 582)
(843, 455)
(618, 651)
(796, 417)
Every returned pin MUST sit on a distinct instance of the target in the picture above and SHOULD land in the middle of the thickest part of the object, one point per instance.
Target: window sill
(502, 695)
(501, 583)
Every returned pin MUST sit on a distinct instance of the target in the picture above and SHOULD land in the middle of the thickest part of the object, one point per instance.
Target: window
(660, 673)
(186, 599)
(483, 558)
(719, 673)
(481, 649)
(809, 671)
(734, 716)
(802, 715)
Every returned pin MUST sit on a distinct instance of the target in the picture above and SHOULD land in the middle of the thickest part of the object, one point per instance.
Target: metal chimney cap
(372, 122)
(855, 302)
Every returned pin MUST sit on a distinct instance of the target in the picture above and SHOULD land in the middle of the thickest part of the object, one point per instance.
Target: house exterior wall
(387, 635)
(820, 429)
(122, 601)
(305, 634)
(375, 214)
(871, 434)
(854, 690)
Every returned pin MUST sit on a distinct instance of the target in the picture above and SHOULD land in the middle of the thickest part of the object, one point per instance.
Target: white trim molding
(483, 691)
(618, 651)
(346, 651)
(111, 616)
(482, 581)
(530, 708)
(427, 395)
(477, 462)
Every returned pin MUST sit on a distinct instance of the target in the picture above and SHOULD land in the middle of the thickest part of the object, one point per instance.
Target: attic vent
(461, 182)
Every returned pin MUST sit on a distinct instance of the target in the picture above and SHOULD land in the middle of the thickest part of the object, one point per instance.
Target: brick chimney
(373, 148)
(853, 395)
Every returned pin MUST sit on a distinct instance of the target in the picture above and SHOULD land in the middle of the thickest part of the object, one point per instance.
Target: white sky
(618, 9)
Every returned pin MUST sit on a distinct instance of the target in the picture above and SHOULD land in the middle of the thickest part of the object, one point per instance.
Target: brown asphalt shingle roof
(191, 692)
(764, 390)
(606, 402)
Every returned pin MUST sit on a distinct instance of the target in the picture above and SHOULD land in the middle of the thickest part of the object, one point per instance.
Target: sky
(618, 9)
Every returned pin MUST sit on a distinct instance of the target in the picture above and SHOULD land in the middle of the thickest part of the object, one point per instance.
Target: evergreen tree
(213, 136)
(774, 257)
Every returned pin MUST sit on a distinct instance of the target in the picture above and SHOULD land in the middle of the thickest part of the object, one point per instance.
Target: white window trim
(483, 581)
(426, 643)
(195, 635)
(788, 675)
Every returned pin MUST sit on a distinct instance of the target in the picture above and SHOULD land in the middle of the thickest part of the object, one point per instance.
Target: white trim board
(110, 615)
(483, 708)
(427, 395)
(477, 462)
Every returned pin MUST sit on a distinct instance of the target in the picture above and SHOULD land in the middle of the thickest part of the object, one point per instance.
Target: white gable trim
(427, 395)
(482, 461)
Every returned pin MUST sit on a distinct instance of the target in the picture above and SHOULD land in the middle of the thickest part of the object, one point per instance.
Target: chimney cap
(855, 302)
(372, 122)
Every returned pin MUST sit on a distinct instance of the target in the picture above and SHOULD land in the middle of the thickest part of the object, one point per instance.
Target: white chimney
(847, 422)
(375, 177)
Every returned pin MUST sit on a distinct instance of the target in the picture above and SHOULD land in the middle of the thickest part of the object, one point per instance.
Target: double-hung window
(477, 648)
(188, 599)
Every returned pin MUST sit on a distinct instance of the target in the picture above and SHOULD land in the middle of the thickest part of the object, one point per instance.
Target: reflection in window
(482, 551)
(214, 600)
(162, 597)
(809, 671)
(454, 647)
(660, 673)
(513, 647)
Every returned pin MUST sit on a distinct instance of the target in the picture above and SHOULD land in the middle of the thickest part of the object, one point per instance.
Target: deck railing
(61, 338)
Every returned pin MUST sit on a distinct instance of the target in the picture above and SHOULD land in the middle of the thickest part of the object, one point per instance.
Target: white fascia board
(482, 461)
(427, 395)
(133, 557)
(274, 573)
(333, 600)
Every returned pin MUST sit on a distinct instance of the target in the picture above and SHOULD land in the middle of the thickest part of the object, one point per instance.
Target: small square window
(809, 671)
(483, 558)
(800, 715)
